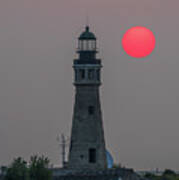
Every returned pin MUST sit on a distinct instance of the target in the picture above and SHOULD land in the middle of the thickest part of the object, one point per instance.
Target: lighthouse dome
(87, 35)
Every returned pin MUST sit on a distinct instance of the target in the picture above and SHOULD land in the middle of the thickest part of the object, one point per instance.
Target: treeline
(36, 169)
(167, 175)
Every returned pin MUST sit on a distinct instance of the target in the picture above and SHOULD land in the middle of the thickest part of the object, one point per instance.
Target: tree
(149, 175)
(117, 166)
(169, 172)
(17, 171)
(38, 168)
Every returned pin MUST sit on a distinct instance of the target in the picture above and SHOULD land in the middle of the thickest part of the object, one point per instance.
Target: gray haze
(140, 98)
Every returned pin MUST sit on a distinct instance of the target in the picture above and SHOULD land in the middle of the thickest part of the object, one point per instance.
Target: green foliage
(167, 175)
(116, 166)
(169, 172)
(18, 170)
(149, 175)
(37, 169)
(152, 177)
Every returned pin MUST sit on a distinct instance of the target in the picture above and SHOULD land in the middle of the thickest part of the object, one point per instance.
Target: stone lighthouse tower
(87, 147)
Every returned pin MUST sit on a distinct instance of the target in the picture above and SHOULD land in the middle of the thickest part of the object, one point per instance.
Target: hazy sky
(140, 98)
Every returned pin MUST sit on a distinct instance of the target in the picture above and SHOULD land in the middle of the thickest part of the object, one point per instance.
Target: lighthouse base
(108, 174)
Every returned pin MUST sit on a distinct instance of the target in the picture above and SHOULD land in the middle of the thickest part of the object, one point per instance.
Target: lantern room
(87, 41)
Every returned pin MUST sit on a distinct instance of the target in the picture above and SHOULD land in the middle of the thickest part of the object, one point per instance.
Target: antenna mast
(87, 16)
(87, 19)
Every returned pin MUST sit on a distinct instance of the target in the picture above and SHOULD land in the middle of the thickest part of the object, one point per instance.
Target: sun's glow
(138, 42)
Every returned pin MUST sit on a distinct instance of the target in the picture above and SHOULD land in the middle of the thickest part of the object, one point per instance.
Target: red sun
(138, 42)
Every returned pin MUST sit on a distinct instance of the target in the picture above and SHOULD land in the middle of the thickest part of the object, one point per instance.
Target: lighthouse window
(75, 75)
(90, 74)
(92, 155)
(82, 73)
(91, 110)
(98, 74)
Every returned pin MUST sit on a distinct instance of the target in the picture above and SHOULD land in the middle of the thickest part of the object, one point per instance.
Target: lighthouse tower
(87, 146)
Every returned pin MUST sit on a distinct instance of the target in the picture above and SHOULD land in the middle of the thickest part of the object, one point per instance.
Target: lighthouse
(87, 146)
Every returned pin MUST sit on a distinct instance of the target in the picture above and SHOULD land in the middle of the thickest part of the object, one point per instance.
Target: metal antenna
(63, 142)
(87, 19)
